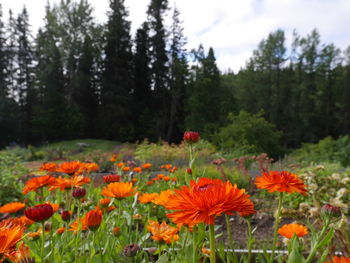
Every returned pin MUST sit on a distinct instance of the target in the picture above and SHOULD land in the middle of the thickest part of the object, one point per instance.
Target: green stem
(100, 248)
(194, 247)
(250, 241)
(277, 221)
(230, 240)
(42, 242)
(212, 243)
(78, 233)
(319, 239)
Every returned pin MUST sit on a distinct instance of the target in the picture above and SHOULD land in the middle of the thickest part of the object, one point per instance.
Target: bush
(249, 134)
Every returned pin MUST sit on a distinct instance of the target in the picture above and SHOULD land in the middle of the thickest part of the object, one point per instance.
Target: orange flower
(134, 180)
(111, 178)
(116, 231)
(12, 207)
(147, 198)
(105, 201)
(79, 223)
(118, 190)
(126, 169)
(205, 251)
(38, 182)
(49, 167)
(149, 183)
(174, 179)
(10, 235)
(111, 208)
(146, 166)
(120, 165)
(163, 232)
(54, 206)
(160, 176)
(339, 260)
(22, 255)
(113, 158)
(23, 220)
(172, 170)
(163, 197)
(166, 178)
(281, 182)
(70, 168)
(60, 230)
(137, 170)
(289, 230)
(67, 183)
(205, 199)
(88, 167)
(35, 235)
(93, 218)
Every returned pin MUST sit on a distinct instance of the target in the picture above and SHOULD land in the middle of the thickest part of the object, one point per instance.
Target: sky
(233, 28)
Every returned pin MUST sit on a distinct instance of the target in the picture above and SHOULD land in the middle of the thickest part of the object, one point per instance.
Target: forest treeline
(77, 78)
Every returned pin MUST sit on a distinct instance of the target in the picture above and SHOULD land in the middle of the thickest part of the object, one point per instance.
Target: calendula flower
(163, 197)
(149, 182)
(172, 170)
(281, 182)
(289, 230)
(160, 176)
(10, 235)
(79, 192)
(66, 215)
(54, 206)
(147, 198)
(12, 207)
(38, 182)
(119, 190)
(146, 166)
(88, 167)
(70, 168)
(23, 220)
(137, 170)
(111, 178)
(191, 137)
(339, 260)
(205, 199)
(163, 232)
(166, 178)
(113, 158)
(105, 201)
(68, 183)
(48, 167)
(120, 165)
(116, 231)
(39, 213)
(79, 223)
(60, 230)
(93, 218)
(22, 255)
(126, 169)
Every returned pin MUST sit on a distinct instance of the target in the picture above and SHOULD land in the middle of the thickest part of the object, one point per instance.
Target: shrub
(249, 134)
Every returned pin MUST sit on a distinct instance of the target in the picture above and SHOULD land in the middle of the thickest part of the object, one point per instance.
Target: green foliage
(327, 149)
(249, 134)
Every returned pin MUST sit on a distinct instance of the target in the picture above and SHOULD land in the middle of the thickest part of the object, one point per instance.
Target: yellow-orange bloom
(289, 230)
(120, 165)
(70, 168)
(119, 190)
(146, 166)
(23, 220)
(49, 167)
(60, 230)
(79, 223)
(163, 197)
(38, 182)
(163, 232)
(105, 201)
(87, 167)
(126, 169)
(12, 207)
(113, 158)
(10, 235)
(93, 218)
(166, 178)
(67, 183)
(205, 199)
(147, 198)
(137, 170)
(339, 260)
(280, 181)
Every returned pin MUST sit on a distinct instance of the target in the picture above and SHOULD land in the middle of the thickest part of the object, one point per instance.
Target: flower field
(141, 212)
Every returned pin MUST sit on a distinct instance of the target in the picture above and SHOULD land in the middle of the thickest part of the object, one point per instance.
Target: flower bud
(116, 231)
(79, 192)
(131, 250)
(189, 170)
(66, 215)
(191, 137)
(330, 211)
(39, 213)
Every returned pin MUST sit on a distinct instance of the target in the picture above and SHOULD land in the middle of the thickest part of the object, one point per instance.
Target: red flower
(79, 192)
(93, 218)
(66, 215)
(191, 137)
(39, 213)
(111, 178)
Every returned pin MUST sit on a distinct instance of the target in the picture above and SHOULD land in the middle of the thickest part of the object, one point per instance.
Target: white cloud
(232, 27)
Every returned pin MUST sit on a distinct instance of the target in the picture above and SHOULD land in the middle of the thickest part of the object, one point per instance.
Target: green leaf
(326, 239)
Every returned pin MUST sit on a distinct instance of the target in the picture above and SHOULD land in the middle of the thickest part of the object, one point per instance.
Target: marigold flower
(39, 213)
(12, 207)
(113, 158)
(111, 178)
(9, 236)
(205, 251)
(160, 176)
(126, 169)
(35, 235)
(134, 180)
(163, 232)
(79, 223)
(68, 183)
(54, 206)
(116, 231)
(111, 208)
(191, 137)
(280, 181)
(38, 182)
(119, 190)
(163, 197)
(105, 201)
(189, 170)
(66, 215)
(205, 199)
(93, 218)
(49, 167)
(289, 230)
(79, 192)
(137, 170)
(146, 166)
(339, 260)
(60, 230)
(149, 182)
(23, 220)
(172, 170)
(137, 217)
(120, 165)
(166, 178)
(22, 255)
(70, 168)
(88, 167)
(147, 198)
